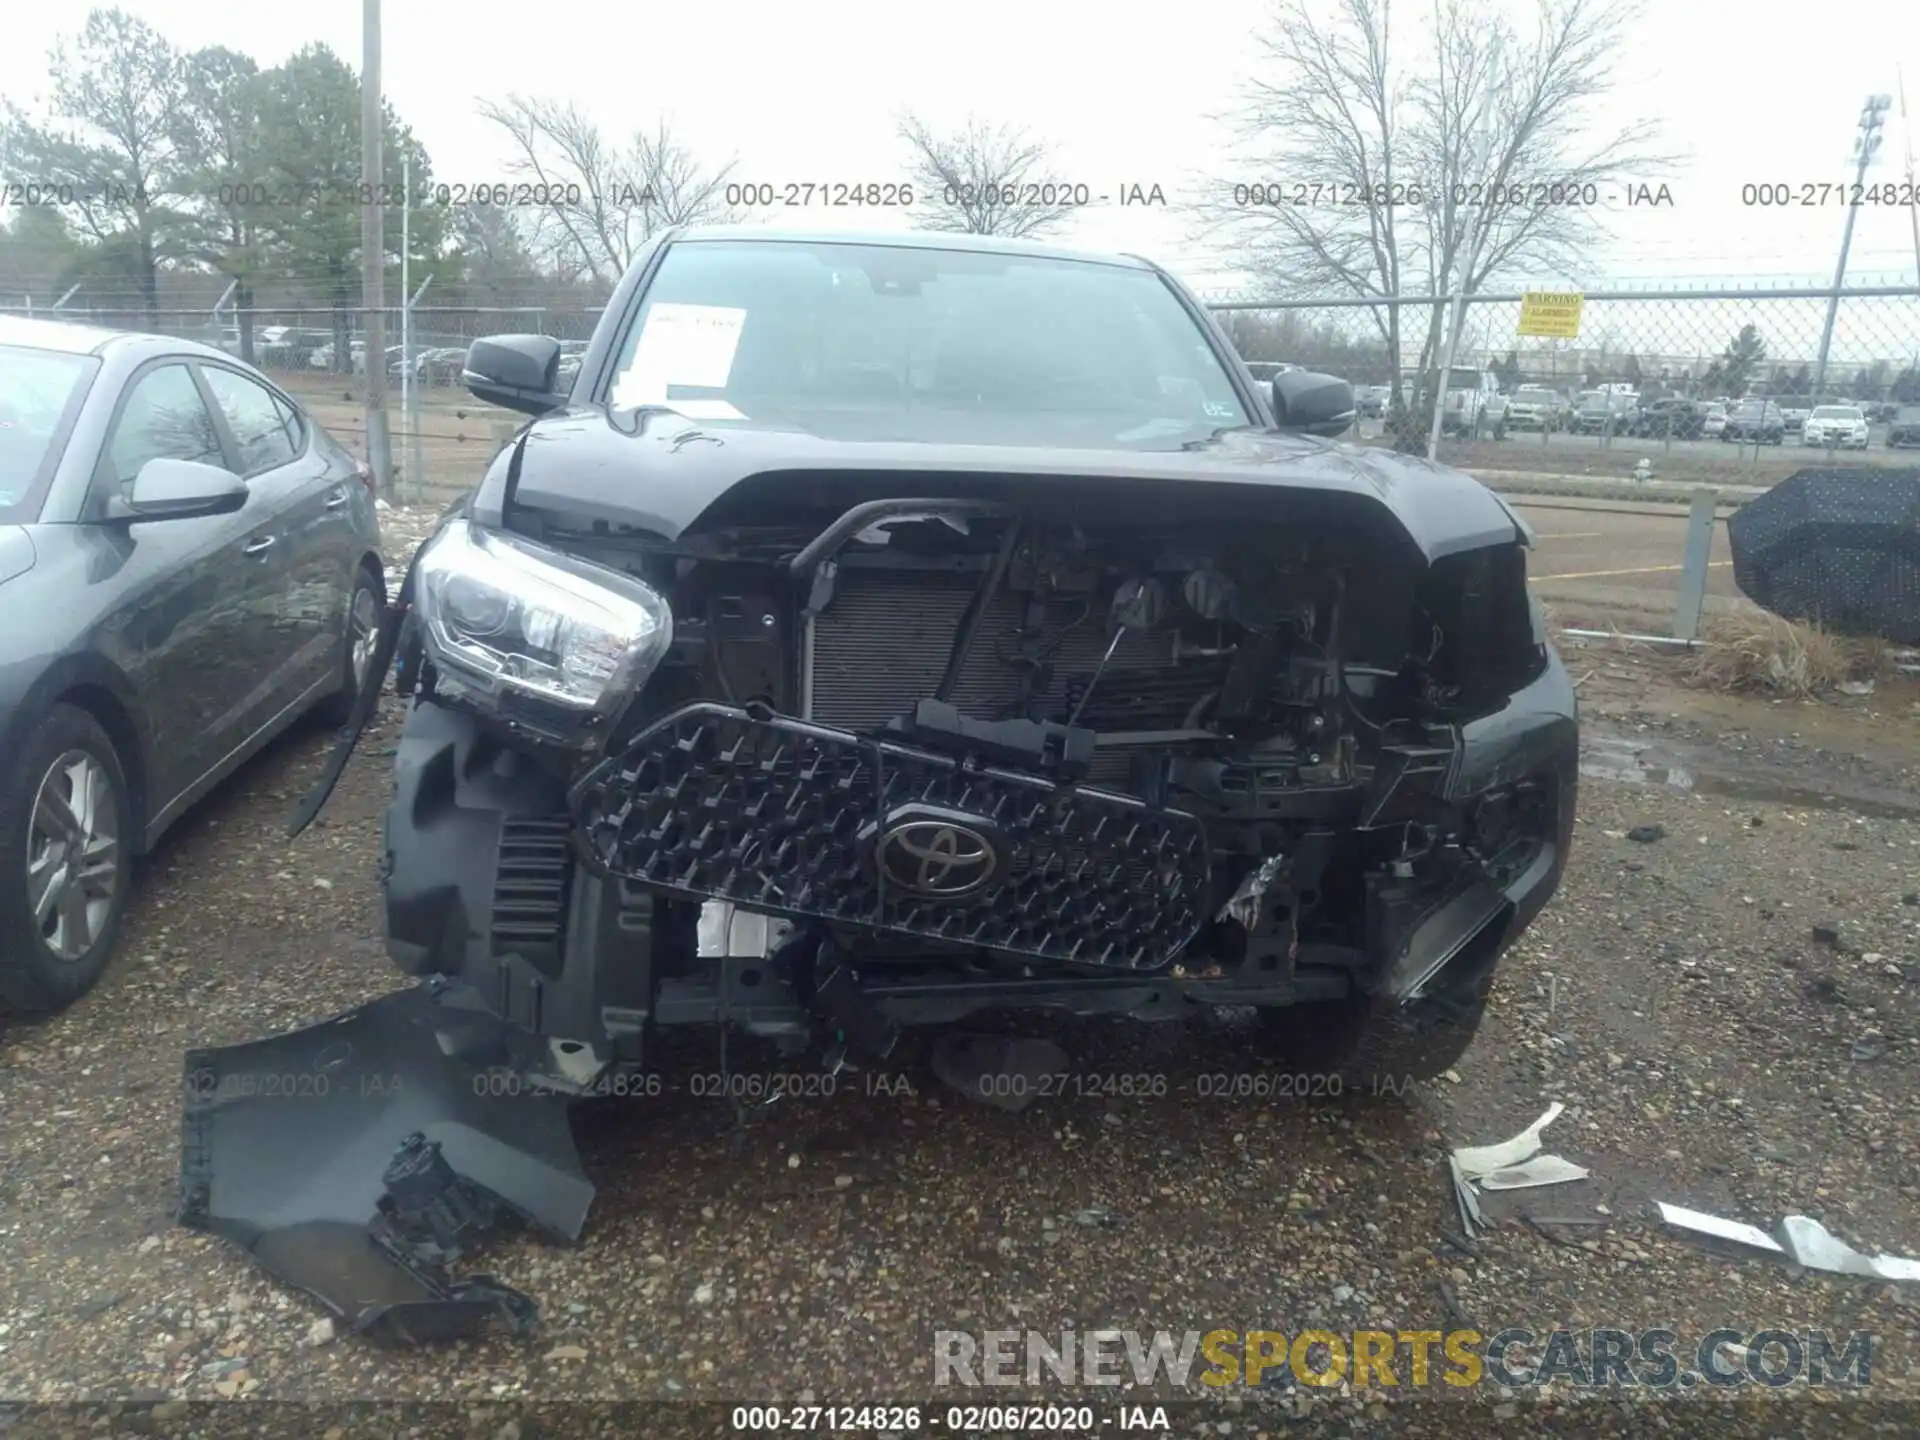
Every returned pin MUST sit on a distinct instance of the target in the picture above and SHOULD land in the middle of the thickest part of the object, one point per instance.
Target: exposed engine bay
(1206, 695)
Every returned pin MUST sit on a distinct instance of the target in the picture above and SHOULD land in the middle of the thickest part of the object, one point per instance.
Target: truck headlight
(507, 613)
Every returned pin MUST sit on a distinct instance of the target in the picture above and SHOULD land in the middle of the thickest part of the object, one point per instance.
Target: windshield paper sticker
(702, 409)
(682, 345)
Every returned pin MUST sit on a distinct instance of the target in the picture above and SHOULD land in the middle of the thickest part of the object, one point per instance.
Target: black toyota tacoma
(883, 630)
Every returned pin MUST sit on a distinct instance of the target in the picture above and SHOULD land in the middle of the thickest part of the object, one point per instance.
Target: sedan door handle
(260, 546)
(336, 497)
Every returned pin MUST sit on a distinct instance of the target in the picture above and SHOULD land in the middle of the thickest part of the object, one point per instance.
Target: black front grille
(781, 816)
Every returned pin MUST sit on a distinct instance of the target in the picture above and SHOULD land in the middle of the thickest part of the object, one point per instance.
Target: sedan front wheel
(65, 867)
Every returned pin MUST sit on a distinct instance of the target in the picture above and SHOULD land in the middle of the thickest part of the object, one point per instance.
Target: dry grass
(1764, 654)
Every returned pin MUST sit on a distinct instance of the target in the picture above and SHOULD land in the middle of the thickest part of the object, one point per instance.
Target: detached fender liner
(358, 1159)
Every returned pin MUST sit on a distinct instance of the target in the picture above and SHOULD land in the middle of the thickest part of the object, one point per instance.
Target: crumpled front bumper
(361, 1158)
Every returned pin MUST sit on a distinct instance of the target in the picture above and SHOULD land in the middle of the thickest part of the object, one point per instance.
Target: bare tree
(602, 201)
(982, 180)
(106, 147)
(1367, 172)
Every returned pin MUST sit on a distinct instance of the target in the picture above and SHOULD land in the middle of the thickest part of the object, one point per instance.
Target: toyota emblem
(938, 859)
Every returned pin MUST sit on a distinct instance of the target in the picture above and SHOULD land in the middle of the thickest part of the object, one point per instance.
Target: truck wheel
(1376, 1046)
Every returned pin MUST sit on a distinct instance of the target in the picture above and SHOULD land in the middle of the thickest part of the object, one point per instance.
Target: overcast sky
(809, 89)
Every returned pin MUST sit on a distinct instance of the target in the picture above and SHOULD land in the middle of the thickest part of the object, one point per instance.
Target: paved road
(1642, 550)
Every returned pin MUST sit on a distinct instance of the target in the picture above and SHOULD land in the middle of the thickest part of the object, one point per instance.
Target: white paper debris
(1540, 1170)
(1477, 1160)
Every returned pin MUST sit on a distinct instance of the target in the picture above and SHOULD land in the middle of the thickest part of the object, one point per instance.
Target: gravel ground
(1709, 1049)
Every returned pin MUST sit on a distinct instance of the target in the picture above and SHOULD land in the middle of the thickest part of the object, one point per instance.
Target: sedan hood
(16, 552)
(664, 478)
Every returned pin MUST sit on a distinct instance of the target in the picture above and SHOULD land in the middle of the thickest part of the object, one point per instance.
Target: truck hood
(664, 478)
(16, 552)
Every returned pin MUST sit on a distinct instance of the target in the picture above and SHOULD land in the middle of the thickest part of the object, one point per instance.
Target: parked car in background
(1794, 413)
(1759, 421)
(188, 564)
(1371, 400)
(1671, 419)
(1474, 405)
(290, 348)
(1713, 420)
(1262, 370)
(1596, 412)
(571, 353)
(1843, 427)
(440, 365)
(1905, 427)
(1537, 407)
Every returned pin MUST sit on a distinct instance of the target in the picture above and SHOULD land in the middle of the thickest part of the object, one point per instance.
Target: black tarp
(1839, 547)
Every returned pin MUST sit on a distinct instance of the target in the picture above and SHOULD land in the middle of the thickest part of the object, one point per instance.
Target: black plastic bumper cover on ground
(360, 1158)
(781, 815)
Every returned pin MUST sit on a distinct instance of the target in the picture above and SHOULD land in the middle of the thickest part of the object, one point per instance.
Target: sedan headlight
(508, 613)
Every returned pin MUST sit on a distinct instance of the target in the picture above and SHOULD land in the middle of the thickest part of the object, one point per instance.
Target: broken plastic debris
(1802, 1239)
(1473, 1161)
(1245, 904)
(1470, 1218)
(1540, 1170)
(1817, 1248)
(1712, 1225)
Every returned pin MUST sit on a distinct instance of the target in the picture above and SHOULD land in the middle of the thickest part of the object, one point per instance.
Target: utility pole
(372, 254)
(1873, 115)
(1913, 211)
(407, 421)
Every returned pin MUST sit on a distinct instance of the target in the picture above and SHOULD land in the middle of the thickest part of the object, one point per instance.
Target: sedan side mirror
(167, 489)
(520, 372)
(1312, 404)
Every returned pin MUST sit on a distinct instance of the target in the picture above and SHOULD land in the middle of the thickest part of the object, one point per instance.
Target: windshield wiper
(1215, 438)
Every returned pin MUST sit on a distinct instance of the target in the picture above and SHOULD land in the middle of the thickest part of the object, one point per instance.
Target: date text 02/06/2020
(1539, 195)
(1062, 1085)
(891, 194)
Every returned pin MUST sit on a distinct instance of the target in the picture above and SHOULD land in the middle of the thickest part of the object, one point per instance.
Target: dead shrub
(1764, 654)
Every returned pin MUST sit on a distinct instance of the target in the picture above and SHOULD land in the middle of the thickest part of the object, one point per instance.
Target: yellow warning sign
(1551, 313)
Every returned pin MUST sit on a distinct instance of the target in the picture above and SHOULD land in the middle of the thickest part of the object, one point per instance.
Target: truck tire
(1370, 1047)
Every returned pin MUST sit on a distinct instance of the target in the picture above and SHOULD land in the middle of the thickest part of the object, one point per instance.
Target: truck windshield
(880, 342)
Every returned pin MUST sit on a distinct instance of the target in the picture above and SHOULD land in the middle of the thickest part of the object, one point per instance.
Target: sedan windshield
(40, 390)
(1837, 412)
(877, 342)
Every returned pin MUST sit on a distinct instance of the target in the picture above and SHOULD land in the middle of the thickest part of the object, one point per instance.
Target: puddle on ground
(1636, 760)
(1630, 761)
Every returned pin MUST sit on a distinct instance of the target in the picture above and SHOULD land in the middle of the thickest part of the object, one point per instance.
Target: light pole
(1873, 116)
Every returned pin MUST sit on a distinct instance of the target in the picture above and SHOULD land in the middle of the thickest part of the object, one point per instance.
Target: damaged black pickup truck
(884, 630)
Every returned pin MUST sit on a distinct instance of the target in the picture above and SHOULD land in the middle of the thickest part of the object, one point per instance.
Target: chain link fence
(1698, 386)
(441, 436)
(1693, 387)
